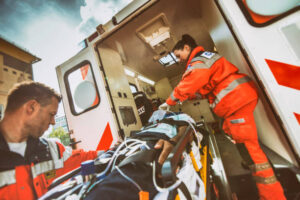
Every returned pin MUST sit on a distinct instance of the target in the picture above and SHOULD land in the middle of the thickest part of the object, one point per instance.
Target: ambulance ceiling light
(146, 80)
(156, 32)
(129, 72)
(157, 37)
(168, 60)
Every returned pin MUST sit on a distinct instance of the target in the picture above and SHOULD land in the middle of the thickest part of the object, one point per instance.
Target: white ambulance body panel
(269, 42)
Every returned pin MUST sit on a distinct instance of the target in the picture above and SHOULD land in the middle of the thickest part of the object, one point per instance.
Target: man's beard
(33, 131)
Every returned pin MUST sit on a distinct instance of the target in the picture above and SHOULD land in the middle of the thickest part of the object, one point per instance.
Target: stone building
(15, 66)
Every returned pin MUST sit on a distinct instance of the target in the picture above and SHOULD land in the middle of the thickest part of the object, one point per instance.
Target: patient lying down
(154, 163)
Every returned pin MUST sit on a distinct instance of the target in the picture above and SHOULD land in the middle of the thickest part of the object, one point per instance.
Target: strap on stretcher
(168, 170)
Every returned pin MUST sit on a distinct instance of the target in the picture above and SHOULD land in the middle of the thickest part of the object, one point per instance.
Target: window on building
(81, 88)
(61, 121)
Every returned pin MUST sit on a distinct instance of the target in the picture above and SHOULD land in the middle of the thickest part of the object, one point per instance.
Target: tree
(61, 134)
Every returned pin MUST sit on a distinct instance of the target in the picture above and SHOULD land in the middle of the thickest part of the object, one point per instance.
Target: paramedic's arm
(167, 146)
(191, 82)
(73, 158)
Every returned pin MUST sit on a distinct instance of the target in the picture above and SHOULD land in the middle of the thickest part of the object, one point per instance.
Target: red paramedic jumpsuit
(28, 177)
(233, 97)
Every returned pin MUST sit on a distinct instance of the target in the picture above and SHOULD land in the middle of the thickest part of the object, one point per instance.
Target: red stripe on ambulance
(297, 117)
(285, 74)
(106, 139)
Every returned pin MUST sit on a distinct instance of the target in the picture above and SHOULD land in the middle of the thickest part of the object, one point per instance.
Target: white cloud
(47, 31)
(53, 40)
(98, 12)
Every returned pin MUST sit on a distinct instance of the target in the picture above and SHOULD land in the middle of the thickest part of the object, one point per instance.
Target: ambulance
(130, 57)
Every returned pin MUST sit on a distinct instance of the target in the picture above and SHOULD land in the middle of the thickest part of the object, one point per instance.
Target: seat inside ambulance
(144, 106)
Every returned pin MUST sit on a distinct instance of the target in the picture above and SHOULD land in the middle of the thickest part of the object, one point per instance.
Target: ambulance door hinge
(113, 110)
(121, 133)
(245, 53)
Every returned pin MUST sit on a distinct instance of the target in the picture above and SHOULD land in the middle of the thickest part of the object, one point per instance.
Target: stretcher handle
(64, 177)
(168, 170)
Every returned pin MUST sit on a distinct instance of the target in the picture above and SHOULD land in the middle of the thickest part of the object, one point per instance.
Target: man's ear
(31, 106)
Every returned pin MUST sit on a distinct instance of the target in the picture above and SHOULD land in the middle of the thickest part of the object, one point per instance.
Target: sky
(52, 29)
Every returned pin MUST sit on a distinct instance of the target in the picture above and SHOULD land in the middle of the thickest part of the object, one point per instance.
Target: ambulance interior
(142, 47)
(130, 58)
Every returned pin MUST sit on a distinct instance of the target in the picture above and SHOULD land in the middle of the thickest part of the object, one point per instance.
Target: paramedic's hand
(164, 106)
(166, 149)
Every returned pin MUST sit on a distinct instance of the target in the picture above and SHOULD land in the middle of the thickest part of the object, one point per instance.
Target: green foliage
(61, 134)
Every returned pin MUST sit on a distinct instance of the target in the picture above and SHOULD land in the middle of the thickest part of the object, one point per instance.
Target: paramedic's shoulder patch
(50, 174)
(207, 54)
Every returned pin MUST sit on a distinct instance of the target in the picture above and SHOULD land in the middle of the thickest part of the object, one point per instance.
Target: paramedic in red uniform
(233, 97)
(29, 163)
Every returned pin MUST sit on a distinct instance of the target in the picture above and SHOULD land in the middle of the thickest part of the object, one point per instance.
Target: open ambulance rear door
(268, 33)
(84, 97)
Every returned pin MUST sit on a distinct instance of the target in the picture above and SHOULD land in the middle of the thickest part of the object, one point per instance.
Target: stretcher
(131, 171)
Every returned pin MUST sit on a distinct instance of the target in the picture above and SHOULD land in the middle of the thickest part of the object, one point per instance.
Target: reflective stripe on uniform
(173, 98)
(260, 167)
(58, 162)
(198, 66)
(42, 167)
(208, 62)
(265, 180)
(237, 121)
(229, 88)
(55, 163)
(7, 177)
(67, 153)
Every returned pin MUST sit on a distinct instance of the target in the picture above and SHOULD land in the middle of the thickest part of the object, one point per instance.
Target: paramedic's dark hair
(185, 40)
(29, 90)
